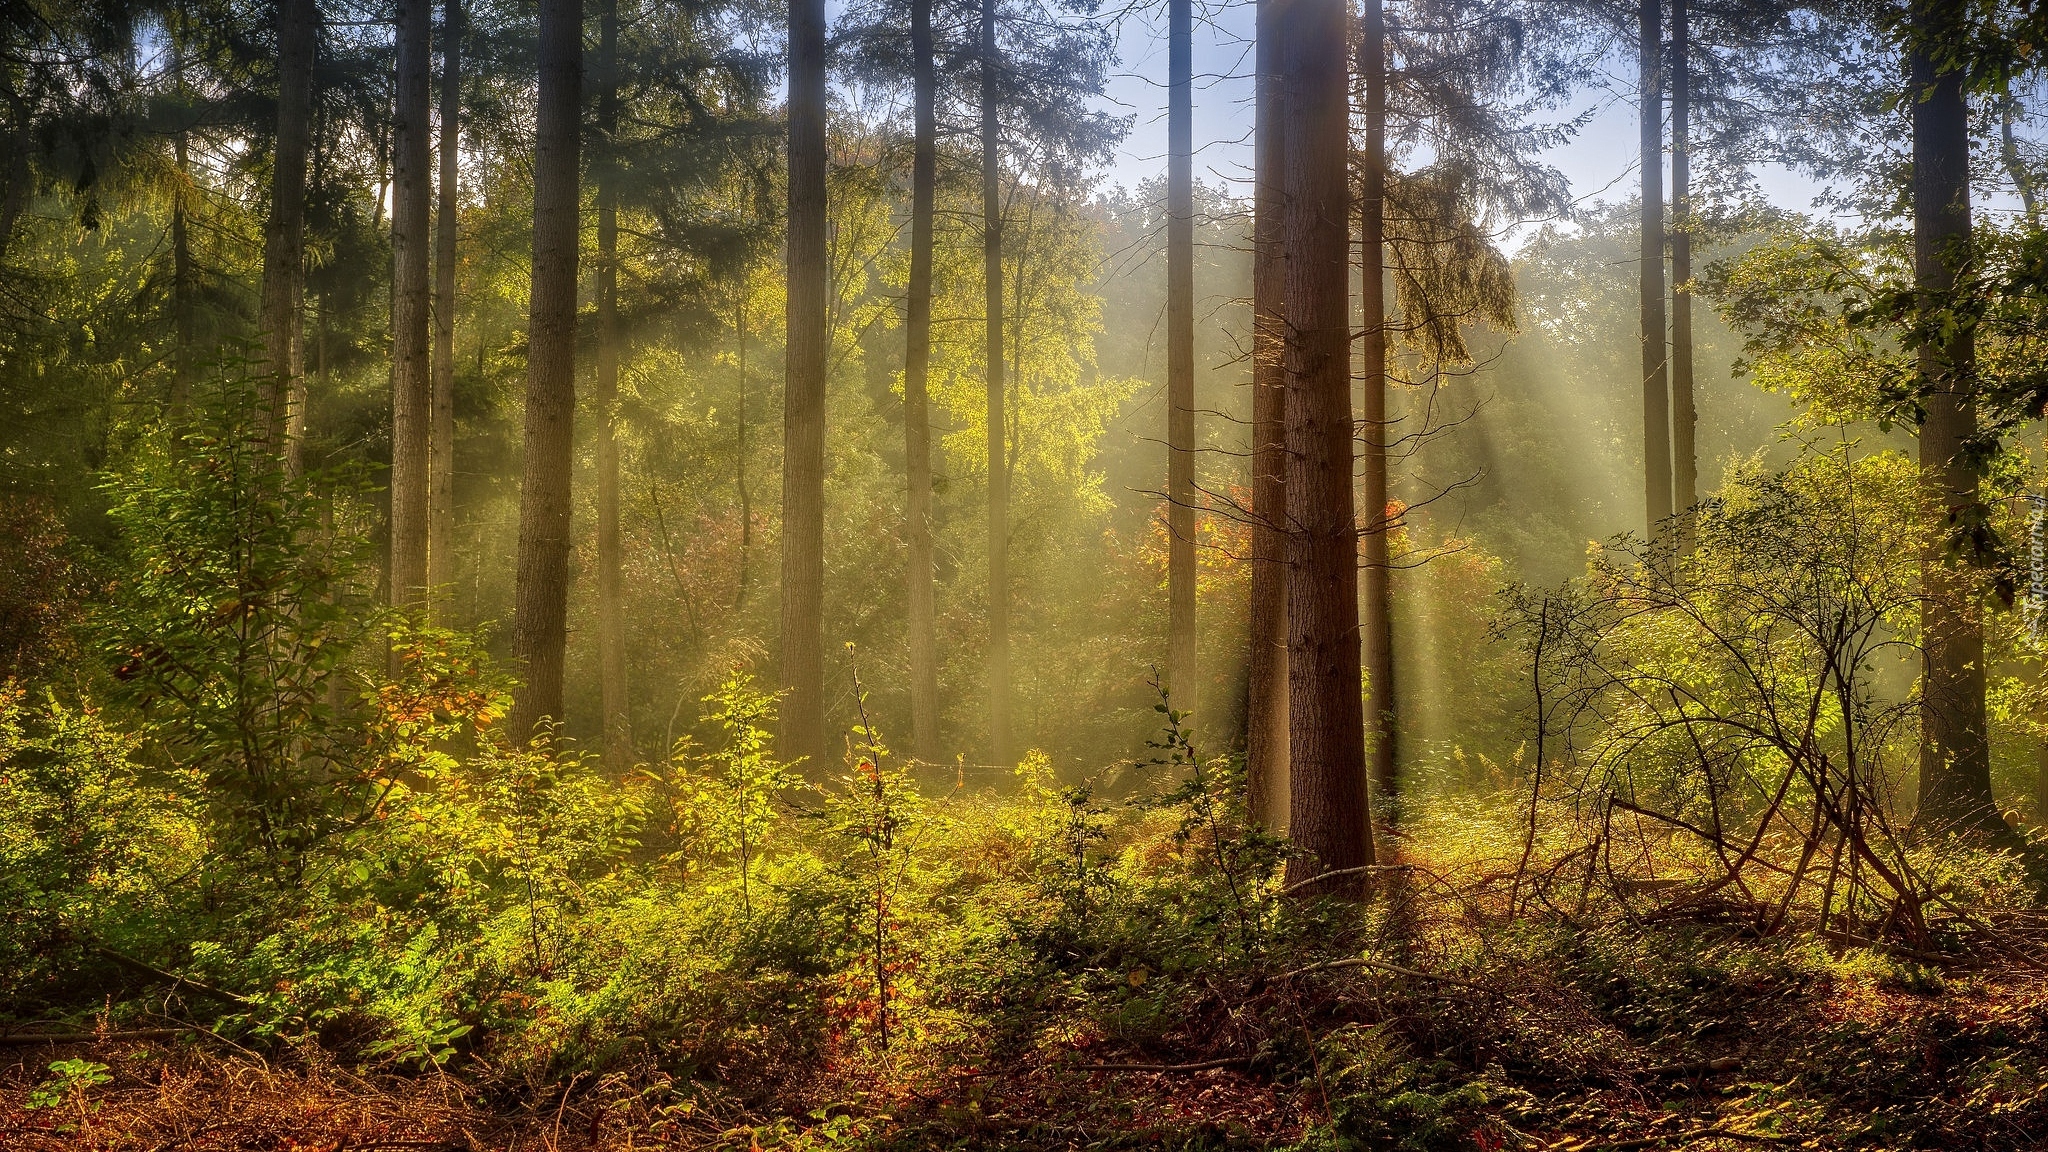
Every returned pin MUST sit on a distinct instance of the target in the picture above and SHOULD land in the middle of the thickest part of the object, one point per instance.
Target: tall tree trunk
(20, 182)
(1266, 672)
(998, 428)
(1378, 627)
(746, 498)
(1180, 355)
(1656, 387)
(611, 617)
(917, 347)
(803, 413)
(441, 434)
(1955, 756)
(412, 390)
(1684, 419)
(1330, 816)
(284, 233)
(541, 595)
(181, 286)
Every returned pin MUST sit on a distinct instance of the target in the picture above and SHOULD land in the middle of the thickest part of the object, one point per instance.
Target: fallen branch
(21, 1039)
(1396, 969)
(1690, 1134)
(1197, 1066)
(173, 977)
(1695, 1068)
(1849, 940)
(1340, 873)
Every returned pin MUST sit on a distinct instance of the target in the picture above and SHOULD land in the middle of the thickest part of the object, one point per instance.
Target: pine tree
(541, 594)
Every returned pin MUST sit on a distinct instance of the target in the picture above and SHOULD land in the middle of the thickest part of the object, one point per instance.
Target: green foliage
(87, 843)
(730, 810)
(237, 616)
(72, 1078)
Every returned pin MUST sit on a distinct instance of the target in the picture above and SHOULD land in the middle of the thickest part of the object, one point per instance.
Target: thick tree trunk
(611, 617)
(1180, 356)
(412, 389)
(1378, 574)
(1684, 419)
(1656, 387)
(284, 233)
(541, 596)
(1266, 674)
(803, 412)
(441, 434)
(1330, 817)
(1955, 756)
(917, 347)
(998, 428)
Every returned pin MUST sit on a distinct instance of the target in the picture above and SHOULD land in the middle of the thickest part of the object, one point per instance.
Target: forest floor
(1652, 1038)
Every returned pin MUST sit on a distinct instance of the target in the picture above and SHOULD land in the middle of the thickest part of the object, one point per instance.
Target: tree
(441, 431)
(284, 231)
(1329, 816)
(1180, 356)
(1378, 565)
(1444, 81)
(541, 595)
(803, 411)
(1656, 381)
(1955, 755)
(412, 396)
(611, 630)
(917, 348)
(998, 463)
(1266, 708)
(1685, 476)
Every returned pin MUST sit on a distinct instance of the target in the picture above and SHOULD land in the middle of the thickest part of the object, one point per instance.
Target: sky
(1600, 162)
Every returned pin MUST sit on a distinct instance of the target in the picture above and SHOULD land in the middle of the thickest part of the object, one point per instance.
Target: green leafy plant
(72, 1077)
(233, 626)
(730, 804)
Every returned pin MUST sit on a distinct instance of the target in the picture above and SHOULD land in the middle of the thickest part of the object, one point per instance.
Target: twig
(20, 1039)
(1691, 1134)
(1362, 962)
(1197, 1066)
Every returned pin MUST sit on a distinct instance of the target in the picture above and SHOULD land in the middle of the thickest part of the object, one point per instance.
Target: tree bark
(412, 395)
(1656, 387)
(1329, 814)
(998, 464)
(1684, 418)
(1955, 756)
(181, 286)
(611, 622)
(803, 413)
(441, 433)
(1266, 675)
(740, 488)
(541, 595)
(284, 234)
(1180, 357)
(917, 341)
(1378, 574)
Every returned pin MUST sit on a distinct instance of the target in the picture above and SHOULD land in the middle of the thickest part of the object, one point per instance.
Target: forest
(1325, 575)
